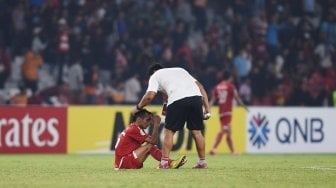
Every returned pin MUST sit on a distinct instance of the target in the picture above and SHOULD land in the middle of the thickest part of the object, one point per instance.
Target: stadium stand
(281, 52)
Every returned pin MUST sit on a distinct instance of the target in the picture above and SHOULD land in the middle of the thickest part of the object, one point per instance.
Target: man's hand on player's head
(136, 109)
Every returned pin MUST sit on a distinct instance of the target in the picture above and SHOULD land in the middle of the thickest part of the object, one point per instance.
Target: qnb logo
(258, 130)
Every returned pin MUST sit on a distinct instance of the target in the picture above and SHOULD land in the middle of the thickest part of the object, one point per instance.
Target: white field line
(320, 167)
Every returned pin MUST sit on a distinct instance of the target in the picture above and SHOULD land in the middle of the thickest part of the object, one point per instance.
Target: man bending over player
(134, 144)
(186, 98)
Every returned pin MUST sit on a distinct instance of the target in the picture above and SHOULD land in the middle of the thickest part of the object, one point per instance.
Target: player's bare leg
(200, 146)
(143, 152)
(200, 143)
(229, 142)
(218, 140)
(166, 148)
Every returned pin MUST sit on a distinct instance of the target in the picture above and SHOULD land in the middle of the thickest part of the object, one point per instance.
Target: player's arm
(146, 99)
(150, 94)
(153, 139)
(239, 100)
(205, 99)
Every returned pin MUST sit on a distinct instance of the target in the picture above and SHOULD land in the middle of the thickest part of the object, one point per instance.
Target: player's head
(141, 113)
(143, 118)
(153, 68)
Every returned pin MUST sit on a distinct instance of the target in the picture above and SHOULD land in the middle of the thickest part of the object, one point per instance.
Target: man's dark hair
(141, 113)
(154, 68)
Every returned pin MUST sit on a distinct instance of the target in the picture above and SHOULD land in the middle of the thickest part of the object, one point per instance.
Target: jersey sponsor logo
(258, 130)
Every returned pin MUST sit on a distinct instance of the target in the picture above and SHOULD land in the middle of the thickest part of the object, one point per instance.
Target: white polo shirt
(177, 83)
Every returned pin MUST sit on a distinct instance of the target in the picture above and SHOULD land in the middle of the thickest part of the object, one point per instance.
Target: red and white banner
(33, 129)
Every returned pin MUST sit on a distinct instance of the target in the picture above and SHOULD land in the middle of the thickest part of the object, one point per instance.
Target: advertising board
(33, 129)
(291, 130)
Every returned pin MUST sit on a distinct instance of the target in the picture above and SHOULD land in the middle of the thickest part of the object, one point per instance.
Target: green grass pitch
(273, 170)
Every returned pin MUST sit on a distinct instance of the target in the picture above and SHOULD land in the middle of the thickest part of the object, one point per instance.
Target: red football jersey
(130, 139)
(224, 93)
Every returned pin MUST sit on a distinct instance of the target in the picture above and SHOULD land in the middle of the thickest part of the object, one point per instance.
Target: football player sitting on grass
(134, 144)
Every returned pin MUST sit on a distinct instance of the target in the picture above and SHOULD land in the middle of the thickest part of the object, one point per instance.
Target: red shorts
(226, 121)
(129, 161)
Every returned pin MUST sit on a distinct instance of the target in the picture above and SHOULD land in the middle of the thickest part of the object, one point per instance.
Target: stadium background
(61, 57)
(71, 70)
(280, 52)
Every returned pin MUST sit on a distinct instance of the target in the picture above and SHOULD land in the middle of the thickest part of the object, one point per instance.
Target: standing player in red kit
(134, 144)
(223, 94)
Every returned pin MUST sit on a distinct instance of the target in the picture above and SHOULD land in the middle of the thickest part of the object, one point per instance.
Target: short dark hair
(141, 113)
(154, 68)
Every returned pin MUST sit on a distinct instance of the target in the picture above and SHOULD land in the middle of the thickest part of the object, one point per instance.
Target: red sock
(157, 154)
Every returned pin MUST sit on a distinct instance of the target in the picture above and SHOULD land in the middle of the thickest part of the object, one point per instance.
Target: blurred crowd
(61, 52)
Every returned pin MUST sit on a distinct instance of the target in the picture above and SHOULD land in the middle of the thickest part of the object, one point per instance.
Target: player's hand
(156, 119)
(134, 110)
